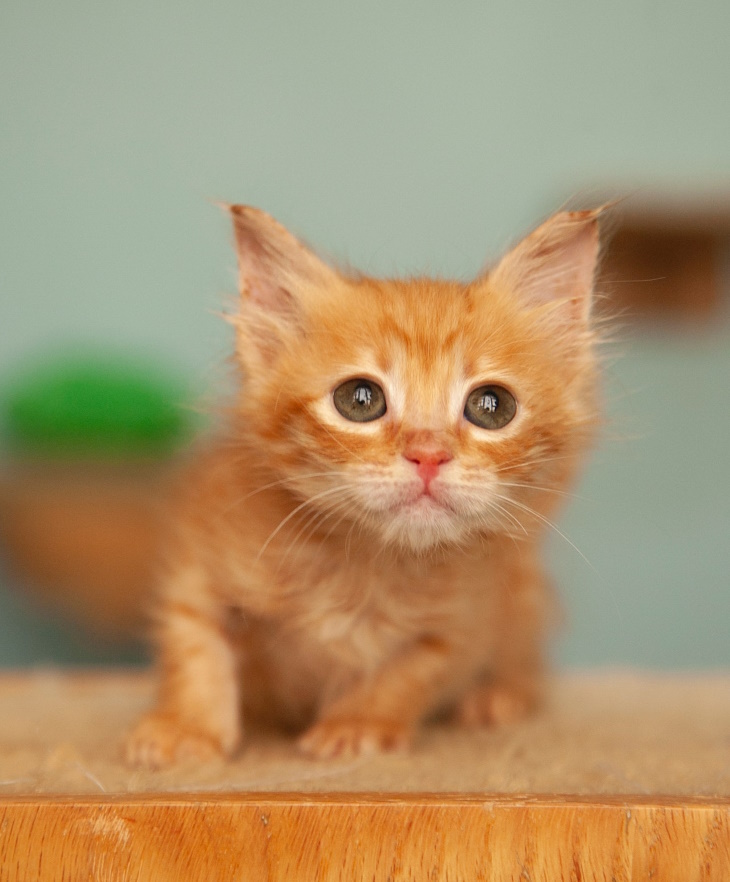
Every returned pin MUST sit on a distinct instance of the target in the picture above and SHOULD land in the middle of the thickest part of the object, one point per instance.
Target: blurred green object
(95, 405)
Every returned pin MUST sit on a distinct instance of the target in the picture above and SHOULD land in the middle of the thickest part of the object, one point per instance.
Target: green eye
(360, 400)
(490, 407)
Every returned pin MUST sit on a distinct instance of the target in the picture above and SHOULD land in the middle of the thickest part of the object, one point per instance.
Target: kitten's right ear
(276, 272)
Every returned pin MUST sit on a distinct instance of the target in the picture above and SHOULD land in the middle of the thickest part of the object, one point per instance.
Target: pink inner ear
(266, 294)
(274, 266)
(555, 263)
(574, 272)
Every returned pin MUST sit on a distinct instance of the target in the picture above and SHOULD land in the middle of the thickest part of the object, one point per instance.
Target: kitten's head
(428, 411)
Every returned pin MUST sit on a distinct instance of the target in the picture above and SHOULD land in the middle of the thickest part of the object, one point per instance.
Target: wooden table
(622, 776)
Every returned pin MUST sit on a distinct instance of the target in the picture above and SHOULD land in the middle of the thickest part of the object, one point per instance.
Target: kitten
(362, 551)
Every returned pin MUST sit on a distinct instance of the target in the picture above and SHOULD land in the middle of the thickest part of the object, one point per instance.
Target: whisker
(515, 520)
(310, 501)
(282, 481)
(348, 539)
(327, 536)
(313, 523)
(549, 523)
(542, 489)
(527, 460)
(489, 525)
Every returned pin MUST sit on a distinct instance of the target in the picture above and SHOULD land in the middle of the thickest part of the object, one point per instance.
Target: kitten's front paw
(348, 738)
(161, 739)
(495, 705)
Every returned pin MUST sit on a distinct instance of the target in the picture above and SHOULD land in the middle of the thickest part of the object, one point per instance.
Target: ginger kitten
(361, 551)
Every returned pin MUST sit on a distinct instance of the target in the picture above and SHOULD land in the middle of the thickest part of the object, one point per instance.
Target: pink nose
(428, 460)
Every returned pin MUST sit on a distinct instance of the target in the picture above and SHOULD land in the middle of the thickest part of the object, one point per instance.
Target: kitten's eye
(490, 407)
(360, 400)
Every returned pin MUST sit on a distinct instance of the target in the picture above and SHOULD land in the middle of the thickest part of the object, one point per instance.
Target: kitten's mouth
(425, 501)
(415, 505)
(422, 519)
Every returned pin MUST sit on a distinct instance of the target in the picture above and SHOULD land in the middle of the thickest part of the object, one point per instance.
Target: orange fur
(313, 580)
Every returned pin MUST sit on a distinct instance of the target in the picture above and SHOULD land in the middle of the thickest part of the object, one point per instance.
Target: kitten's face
(426, 411)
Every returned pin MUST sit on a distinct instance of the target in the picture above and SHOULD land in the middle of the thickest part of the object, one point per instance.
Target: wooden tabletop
(623, 775)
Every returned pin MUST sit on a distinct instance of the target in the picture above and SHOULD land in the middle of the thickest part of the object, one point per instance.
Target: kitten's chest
(360, 614)
(360, 638)
(355, 603)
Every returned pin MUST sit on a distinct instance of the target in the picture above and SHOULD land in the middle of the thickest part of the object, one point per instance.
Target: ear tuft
(555, 264)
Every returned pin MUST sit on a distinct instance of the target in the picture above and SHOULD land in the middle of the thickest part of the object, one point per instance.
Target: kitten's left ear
(555, 265)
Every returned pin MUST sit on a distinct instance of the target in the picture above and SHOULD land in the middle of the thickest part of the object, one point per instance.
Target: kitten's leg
(515, 683)
(381, 712)
(197, 713)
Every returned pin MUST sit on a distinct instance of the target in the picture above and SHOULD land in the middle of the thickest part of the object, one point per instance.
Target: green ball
(95, 406)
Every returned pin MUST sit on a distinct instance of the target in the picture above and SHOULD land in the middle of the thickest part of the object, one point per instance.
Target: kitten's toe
(495, 705)
(350, 738)
(160, 740)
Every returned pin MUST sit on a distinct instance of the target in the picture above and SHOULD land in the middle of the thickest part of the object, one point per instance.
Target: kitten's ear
(555, 266)
(276, 271)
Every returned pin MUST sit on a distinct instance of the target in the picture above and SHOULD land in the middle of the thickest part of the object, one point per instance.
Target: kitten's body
(356, 577)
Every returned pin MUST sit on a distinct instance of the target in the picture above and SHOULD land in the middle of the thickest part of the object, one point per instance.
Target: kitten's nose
(428, 457)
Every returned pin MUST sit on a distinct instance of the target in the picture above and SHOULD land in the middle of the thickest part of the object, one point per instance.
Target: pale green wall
(399, 137)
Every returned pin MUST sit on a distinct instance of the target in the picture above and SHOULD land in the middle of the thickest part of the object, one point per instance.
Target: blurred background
(398, 137)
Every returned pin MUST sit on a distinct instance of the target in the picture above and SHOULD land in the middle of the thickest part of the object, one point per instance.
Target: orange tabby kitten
(362, 551)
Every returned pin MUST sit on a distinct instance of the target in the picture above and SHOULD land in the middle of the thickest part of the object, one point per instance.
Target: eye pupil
(364, 395)
(360, 400)
(489, 403)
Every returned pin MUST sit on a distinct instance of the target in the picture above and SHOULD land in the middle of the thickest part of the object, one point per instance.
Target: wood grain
(623, 776)
(426, 837)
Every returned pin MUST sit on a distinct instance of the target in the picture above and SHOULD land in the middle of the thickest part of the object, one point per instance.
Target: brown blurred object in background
(664, 259)
(86, 539)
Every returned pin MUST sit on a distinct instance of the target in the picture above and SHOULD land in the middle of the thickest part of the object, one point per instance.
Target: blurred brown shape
(86, 538)
(664, 257)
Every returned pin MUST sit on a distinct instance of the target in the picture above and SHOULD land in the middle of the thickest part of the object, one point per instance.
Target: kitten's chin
(423, 525)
